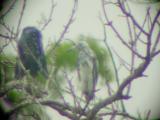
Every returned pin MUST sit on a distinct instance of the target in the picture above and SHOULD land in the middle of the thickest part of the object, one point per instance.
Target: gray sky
(145, 91)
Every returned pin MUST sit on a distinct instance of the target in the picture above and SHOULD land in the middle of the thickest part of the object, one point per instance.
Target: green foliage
(55, 87)
(40, 79)
(78, 55)
(65, 56)
(33, 112)
(15, 96)
(102, 57)
(7, 64)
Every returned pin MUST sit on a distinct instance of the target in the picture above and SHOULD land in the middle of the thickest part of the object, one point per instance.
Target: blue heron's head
(31, 33)
(30, 36)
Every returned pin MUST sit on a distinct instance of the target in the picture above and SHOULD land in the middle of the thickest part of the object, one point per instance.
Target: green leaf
(64, 56)
(7, 64)
(15, 96)
(32, 112)
(55, 86)
(102, 57)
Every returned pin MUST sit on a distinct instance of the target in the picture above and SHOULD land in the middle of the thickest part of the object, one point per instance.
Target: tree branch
(8, 10)
(70, 21)
(50, 16)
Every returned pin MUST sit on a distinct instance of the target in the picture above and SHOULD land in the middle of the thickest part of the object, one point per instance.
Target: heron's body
(31, 51)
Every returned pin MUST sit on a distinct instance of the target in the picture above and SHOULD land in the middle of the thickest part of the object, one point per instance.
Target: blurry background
(145, 92)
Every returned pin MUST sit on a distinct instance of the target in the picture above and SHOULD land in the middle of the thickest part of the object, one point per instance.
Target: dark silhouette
(31, 53)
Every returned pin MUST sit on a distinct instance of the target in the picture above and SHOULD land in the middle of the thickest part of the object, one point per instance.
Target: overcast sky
(145, 91)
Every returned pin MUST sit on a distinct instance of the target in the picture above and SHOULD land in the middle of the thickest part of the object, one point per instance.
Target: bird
(31, 53)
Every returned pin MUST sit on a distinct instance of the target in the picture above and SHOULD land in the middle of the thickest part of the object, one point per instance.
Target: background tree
(80, 69)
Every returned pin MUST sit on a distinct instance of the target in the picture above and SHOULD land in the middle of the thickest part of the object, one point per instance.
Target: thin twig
(109, 23)
(70, 21)
(21, 16)
(50, 16)
(119, 114)
(8, 10)
(121, 6)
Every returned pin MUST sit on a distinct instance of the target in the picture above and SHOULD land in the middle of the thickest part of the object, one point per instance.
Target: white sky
(145, 92)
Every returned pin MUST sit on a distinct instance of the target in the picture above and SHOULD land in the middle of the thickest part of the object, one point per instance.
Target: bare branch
(5, 36)
(2, 22)
(121, 6)
(113, 61)
(8, 10)
(104, 103)
(50, 16)
(150, 33)
(137, 35)
(3, 46)
(119, 94)
(136, 73)
(148, 115)
(109, 23)
(21, 16)
(122, 61)
(155, 53)
(156, 43)
(70, 21)
(72, 91)
(118, 114)
(60, 108)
